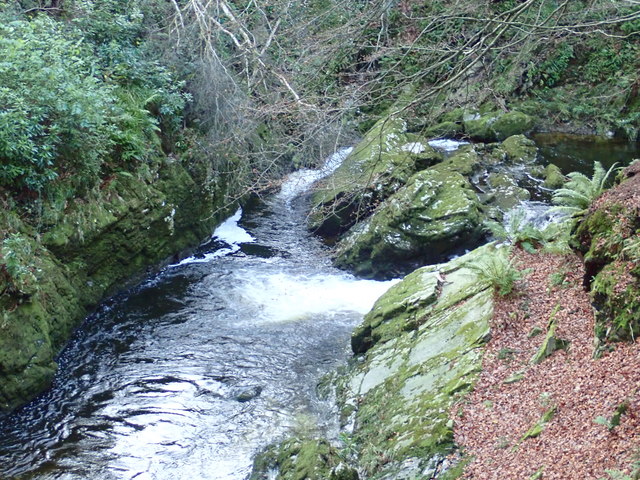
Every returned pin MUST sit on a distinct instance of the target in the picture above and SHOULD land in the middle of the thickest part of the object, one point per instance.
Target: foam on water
(282, 297)
(228, 232)
(299, 181)
(447, 144)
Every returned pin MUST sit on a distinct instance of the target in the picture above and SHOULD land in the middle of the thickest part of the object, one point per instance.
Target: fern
(499, 271)
(580, 191)
(517, 230)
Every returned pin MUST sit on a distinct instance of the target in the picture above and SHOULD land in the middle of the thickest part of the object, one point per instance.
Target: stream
(191, 373)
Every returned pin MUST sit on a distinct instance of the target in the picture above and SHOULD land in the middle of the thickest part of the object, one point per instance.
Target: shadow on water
(578, 153)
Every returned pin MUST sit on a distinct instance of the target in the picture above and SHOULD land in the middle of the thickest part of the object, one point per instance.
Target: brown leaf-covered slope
(492, 421)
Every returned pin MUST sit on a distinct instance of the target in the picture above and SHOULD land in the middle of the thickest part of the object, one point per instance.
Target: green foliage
(550, 72)
(554, 238)
(517, 230)
(606, 59)
(17, 267)
(580, 191)
(619, 475)
(53, 109)
(499, 271)
(613, 421)
(78, 104)
(558, 279)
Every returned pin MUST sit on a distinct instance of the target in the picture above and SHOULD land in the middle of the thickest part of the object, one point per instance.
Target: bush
(53, 109)
(72, 110)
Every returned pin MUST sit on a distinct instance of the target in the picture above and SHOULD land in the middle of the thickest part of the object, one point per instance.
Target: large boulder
(420, 352)
(608, 238)
(434, 214)
(496, 126)
(376, 168)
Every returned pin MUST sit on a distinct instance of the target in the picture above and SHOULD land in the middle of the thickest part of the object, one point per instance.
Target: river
(188, 375)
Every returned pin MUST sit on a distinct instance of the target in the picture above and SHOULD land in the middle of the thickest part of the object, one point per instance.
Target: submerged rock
(249, 394)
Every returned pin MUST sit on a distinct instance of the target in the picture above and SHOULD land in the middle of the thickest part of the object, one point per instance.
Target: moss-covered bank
(52, 275)
(608, 238)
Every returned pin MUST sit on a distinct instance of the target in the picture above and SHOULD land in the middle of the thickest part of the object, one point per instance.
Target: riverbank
(570, 416)
(55, 274)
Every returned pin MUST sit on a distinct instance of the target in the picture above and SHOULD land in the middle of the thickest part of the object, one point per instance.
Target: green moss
(553, 177)
(538, 427)
(410, 377)
(100, 242)
(444, 129)
(520, 149)
(607, 237)
(617, 293)
(435, 212)
(376, 168)
(498, 126)
(551, 343)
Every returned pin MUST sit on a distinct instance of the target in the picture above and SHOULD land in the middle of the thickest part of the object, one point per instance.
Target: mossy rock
(444, 129)
(434, 214)
(423, 353)
(497, 126)
(520, 149)
(426, 352)
(553, 177)
(607, 237)
(455, 116)
(377, 167)
(402, 307)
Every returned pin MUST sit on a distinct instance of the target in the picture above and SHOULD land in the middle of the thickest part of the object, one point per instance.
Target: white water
(447, 144)
(299, 181)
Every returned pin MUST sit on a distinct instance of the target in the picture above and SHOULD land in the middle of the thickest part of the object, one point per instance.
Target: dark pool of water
(578, 153)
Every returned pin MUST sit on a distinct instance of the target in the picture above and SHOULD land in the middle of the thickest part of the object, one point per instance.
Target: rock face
(608, 238)
(376, 168)
(418, 352)
(99, 244)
